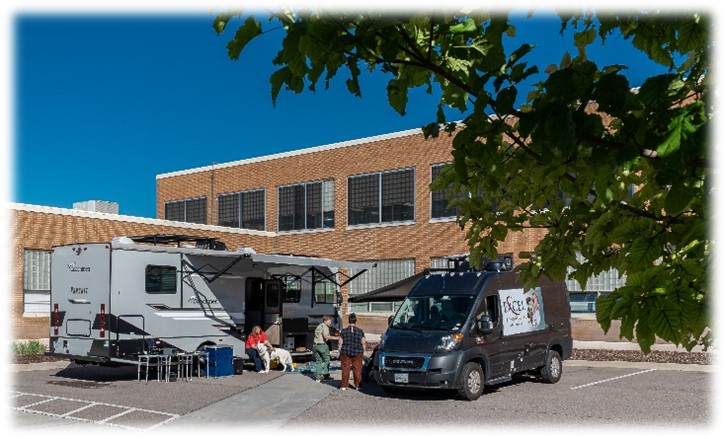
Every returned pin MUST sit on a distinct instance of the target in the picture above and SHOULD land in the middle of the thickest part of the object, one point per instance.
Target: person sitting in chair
(250, 347)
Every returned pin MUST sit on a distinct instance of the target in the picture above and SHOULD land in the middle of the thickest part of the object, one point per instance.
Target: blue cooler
(219, 361)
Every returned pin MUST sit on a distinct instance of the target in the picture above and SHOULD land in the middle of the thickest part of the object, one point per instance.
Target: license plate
(401, 378)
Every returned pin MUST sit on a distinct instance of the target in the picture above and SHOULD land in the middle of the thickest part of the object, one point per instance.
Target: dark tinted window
(439, 203)
(306, 206)
(243, 210)
(381, 198)
(160, 279)
(189, 211)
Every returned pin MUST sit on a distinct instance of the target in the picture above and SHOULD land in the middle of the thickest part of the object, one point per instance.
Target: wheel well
(481, 361)
(205, 344)
(558, 349)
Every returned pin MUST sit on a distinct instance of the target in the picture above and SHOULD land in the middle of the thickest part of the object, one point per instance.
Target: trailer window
(160, 279)
(292, 287)
(325, 292)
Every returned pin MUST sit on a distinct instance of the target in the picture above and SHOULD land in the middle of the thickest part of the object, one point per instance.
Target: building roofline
(298, 152)
(134, 219)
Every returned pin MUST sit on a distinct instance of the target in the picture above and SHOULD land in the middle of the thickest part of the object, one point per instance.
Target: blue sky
(104, 103)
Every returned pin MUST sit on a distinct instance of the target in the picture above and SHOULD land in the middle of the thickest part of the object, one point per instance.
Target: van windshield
(442, 312)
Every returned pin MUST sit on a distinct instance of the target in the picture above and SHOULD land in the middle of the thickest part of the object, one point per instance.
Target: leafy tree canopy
(566, 160)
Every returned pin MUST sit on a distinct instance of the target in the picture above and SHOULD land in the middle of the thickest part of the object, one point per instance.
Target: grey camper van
(465, 329)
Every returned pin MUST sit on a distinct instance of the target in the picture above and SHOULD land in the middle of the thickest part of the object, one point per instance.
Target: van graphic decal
(522, 311)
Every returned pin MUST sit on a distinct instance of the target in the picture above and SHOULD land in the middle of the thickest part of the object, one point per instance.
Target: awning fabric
(390, 293)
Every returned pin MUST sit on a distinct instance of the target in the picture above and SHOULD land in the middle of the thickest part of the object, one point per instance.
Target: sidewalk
(613, 345)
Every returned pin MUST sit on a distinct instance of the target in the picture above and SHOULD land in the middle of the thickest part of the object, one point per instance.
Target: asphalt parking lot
(589, 394)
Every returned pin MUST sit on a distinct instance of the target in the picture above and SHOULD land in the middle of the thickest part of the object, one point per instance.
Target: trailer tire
(472, 379)
(551, 370)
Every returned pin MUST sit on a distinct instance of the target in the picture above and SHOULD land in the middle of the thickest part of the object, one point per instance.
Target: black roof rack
(205, 242)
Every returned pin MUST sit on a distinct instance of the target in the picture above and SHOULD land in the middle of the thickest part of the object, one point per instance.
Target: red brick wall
(422, 240)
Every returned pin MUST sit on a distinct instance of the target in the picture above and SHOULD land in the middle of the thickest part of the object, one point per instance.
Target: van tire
(551, 371)
(472, 379)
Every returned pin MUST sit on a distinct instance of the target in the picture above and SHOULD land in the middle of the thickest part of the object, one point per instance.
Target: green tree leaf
(565, 160)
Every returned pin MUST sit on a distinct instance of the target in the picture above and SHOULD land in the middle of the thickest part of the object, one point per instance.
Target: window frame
(287, 280)
(455, 209)
(186, 202)
(380, 197)
(161, 284)
(395, 270)
(326, 222)
(240, 206)
(38, 287)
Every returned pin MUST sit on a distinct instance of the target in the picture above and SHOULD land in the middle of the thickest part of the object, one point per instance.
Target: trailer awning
(306, 261)
(390, 293)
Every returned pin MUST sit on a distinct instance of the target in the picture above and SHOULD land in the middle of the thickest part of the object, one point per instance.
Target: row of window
(378, 198)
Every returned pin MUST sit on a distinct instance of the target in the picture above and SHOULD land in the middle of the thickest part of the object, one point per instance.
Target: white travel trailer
(113, 301)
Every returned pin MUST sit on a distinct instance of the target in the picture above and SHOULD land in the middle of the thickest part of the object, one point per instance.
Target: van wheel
(471, 382)
(551, 371)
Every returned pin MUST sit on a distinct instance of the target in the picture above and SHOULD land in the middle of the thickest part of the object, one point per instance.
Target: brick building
(361, 200)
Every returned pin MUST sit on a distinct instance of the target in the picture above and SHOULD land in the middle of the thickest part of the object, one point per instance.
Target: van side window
(492, 308)
(160, 279)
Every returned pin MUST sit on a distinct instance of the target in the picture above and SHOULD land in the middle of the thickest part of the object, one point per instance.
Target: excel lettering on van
(79, 290)
(522, 312)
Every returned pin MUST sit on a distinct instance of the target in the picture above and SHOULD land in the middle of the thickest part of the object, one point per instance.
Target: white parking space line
(612, 379)
(126, 410)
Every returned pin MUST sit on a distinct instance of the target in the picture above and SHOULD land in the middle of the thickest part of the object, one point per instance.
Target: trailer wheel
(472, 380)
(551, 371)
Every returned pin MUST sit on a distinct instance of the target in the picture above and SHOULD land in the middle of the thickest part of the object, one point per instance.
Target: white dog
(284, 357)
(264, 355)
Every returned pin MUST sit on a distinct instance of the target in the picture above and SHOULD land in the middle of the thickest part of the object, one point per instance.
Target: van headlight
(449, 342)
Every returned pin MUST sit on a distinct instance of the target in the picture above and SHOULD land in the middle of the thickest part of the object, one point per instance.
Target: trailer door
(273, 311)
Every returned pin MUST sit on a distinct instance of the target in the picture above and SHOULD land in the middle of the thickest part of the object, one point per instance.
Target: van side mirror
(485, 325)
(390, 319)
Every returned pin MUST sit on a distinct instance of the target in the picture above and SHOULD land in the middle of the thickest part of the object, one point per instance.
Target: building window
(244, 210)
(189, 211)
(306, 206)
(385, 197)
(583, 297)
(36, 282)
(385, 273)
(438, 200)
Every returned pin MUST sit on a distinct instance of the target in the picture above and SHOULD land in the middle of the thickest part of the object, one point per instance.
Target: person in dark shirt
(352, 347)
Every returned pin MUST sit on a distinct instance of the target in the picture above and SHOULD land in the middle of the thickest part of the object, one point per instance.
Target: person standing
(352, 348)
(322, 351)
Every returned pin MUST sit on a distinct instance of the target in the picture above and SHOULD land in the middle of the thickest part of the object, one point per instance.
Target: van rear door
(80, 294)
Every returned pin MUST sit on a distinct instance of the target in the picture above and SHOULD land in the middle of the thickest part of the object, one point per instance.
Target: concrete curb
(642, 365)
